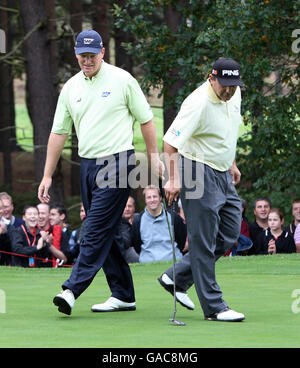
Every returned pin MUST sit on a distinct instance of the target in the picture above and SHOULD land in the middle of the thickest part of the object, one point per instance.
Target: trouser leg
(97, 243)
(118, 275)
(183, 273)
(104, 207)
(213, 223)
(230, 224)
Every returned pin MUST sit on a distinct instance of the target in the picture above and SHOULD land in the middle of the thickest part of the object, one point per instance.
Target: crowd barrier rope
(45, 260)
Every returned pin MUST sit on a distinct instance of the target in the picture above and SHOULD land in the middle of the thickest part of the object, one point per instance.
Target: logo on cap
(231, 72)
(227, 71)
(88, 41)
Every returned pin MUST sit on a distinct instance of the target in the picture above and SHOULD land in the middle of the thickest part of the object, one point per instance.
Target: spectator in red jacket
(56, 237)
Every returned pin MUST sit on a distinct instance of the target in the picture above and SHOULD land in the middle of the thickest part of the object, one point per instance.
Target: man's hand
(43, 191)
(50, 239)
(55, 146)
(149, 135)
(157, 166)
(42, 241)
(172, 190)
(172, 186)
(44, 235)
(236, 174)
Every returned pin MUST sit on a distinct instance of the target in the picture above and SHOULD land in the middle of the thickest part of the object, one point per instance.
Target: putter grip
(162, 191)
(173, 207)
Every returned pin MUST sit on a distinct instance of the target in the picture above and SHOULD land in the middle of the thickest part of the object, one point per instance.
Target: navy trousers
(104, 190)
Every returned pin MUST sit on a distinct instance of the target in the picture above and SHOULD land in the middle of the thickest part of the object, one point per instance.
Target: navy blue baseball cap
(228, 72)
(88, 41)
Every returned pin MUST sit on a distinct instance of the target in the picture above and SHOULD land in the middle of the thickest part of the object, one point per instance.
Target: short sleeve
(62, 123)
(187, 121)
(137, 103)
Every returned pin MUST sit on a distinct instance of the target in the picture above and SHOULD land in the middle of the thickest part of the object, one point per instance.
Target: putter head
(176, 322)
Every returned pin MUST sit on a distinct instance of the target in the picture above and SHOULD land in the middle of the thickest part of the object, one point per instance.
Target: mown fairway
(261, 287)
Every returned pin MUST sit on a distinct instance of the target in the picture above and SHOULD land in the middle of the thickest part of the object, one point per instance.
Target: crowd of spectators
(43, 237)
(269, 234)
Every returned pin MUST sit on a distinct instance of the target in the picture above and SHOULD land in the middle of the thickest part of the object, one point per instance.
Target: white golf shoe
(65, 301)
(113, 305)
(227, 315)
(181, 296)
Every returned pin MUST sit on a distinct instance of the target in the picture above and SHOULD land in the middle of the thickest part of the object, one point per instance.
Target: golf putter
(171, 232)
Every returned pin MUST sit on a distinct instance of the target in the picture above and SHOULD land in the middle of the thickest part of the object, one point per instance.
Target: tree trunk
(76, 17)
(101, 23)
(51, 15)
(58, 178)
(41, 92)
(76, 24)
(7, 112)
(123, 60)
(173, 82)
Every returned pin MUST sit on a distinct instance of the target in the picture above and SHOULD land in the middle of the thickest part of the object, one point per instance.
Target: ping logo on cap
(227, 71)
(231, 72)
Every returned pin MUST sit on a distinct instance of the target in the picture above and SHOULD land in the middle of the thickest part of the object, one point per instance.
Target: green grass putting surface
(261, 287)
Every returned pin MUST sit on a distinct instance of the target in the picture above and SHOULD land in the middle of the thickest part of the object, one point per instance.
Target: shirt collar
(35, 232)
(211, 94)
(148, 212)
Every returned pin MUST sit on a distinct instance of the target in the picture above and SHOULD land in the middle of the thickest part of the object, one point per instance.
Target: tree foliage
(175, 43)
(258, 34)
(161, 49)
(269, 153)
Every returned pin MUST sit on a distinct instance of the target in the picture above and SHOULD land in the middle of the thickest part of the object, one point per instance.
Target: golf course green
(265, 288)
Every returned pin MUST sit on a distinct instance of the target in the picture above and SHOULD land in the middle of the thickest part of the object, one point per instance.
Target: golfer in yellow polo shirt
(103, 102)
(205, 133)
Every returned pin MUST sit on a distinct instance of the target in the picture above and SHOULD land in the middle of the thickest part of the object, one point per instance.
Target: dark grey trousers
(213, 225)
